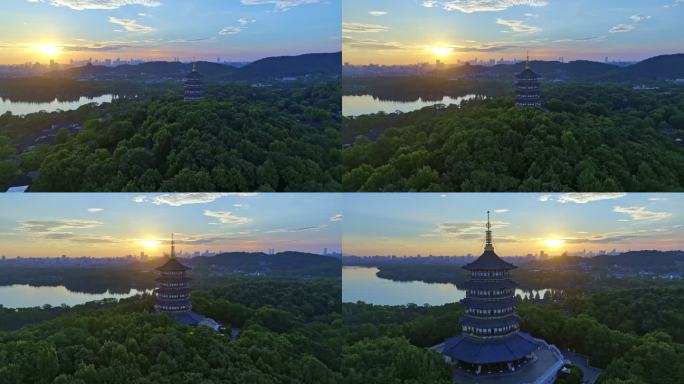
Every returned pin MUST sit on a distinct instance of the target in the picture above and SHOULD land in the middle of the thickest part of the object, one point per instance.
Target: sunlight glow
(49, 50)
(150, 244)
(554, 243)
(441, 51)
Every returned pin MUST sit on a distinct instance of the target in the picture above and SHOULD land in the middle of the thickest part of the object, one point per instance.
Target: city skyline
(119, 224)
(245, 30)
(383, 32)
(523, 223)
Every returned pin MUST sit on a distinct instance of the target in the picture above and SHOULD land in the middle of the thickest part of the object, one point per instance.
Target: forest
(633, 339)
(240, 138)
(289, 333)
(605, 137)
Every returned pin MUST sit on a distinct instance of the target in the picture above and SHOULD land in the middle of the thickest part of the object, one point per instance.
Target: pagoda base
(540, 366)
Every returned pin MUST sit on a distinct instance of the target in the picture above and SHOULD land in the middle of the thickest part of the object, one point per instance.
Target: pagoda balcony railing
(172, 297)
(483, 294)
(173, 285)
(490, 315)
(491, 336)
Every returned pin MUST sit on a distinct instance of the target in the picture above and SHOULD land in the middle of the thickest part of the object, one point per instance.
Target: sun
(554, 243)
(441, 51)
(49, 50)
(150, 244)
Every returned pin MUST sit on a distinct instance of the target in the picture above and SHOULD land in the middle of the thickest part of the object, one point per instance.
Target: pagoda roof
(527, 74)
(488, 284)
(488, 304)
(188, 318)
(489, 261)
(172, 265)
(172, 279)
(173, 302)
(512, 348)
(489, 323)
(194, 75)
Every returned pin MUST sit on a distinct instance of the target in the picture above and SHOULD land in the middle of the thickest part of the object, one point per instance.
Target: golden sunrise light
(150, 244)
(441, 51)
(48, 50)
(554, 243)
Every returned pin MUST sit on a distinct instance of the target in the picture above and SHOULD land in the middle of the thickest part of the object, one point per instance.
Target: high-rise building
(491, 342)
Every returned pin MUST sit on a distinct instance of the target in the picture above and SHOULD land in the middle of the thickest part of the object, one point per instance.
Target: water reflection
(361, 284)
(24, 108)
(26, 296)
(367, 104)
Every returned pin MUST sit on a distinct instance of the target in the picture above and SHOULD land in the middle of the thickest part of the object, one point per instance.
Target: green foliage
(594, 138)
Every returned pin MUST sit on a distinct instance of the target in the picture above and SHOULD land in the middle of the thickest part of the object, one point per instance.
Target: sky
(412, 31)
(408, 224)
(119, 224)
(232, 30)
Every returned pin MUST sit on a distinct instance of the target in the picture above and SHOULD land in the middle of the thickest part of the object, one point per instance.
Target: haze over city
(246, 30)
(119, 224)
(522, 223)
(408, 32)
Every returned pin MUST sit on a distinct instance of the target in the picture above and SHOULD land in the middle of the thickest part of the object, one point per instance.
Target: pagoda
(173, 286)
(491, 342)
(193, 85)
(527, 88)
(173, 294)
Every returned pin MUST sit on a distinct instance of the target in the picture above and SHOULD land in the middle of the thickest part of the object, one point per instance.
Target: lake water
(26, 296)
(361, 284)
(367, 104)
(24, 108)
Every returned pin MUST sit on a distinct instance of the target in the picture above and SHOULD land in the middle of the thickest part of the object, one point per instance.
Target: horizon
(119, 224)
(522, 223)
(383, 32)
(80, 30)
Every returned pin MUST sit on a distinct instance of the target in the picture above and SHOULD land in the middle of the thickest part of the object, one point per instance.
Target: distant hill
(655, 68)
(293, 264)
(314, 63)
(329, 64)
(632, 259)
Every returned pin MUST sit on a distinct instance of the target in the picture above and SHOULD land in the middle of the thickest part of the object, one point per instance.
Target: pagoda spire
(488, 236)
(527, 62)
(173, 247)
(194, 66)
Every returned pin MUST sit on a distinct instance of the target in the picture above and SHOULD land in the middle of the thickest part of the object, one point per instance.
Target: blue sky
(117, 224)
(407, 31)
(453, 224)
(233, 30)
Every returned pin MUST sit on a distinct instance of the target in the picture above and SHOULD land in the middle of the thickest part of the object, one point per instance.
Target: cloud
(362, 28)
(471, 6)
(464, 230)
(638, 18)
(93, 210)
(179, 199)
(227, 217)
(45, 226)
(501, 210)
(244, 21)
(658, 199)
(230, 31)
(375, 45)
(131, 25)
(641, 213)
(532, 15)
(299, 229)
(377, 13)
(241, 205)
(336, 217)
(580, 198)
(622, 28)
(80, 5)
(280, 5)
(580, 39)
(518, 26)
(97, 47)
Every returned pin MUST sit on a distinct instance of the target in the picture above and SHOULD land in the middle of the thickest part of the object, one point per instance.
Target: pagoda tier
(193, 85)
(490, 324)
(527, 88)
(173, 286)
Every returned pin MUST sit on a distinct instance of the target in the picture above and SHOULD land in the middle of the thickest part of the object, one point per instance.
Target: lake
(26, 296)
(367, 104)
(361, 284)
(24, 107)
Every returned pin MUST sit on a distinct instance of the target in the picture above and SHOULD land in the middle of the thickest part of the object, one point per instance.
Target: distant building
(491, 343)
(193, 85)
(527, 88)
(173, 294)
